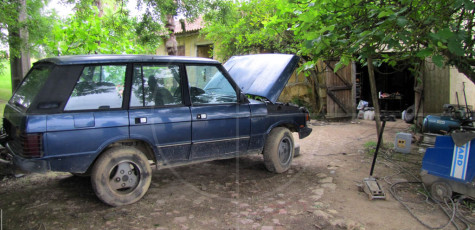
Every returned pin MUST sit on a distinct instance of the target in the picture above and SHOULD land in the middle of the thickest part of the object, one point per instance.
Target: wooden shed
(439, 86)
(335, 95)
(328, 94)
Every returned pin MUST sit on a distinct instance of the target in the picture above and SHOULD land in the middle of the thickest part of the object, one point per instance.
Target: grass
(5, 85)
(370, 147)
(5, 81)
(469, 204)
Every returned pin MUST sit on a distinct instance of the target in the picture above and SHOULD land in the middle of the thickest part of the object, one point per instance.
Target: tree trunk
(374, 96)
(99, 5)
(418, 99)
(20, 54)
(171, 43)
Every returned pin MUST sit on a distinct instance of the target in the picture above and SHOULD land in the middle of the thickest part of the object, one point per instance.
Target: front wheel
(279, 150)
(121, 176)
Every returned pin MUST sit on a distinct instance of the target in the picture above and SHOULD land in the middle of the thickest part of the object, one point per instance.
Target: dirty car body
(110, 116)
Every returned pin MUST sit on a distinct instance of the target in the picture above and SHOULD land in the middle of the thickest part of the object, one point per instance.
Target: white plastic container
(371, 115)
(402, 142)
(360, 114)
(366, 115)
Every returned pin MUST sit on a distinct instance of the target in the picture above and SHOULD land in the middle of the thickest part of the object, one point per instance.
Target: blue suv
(111, 117)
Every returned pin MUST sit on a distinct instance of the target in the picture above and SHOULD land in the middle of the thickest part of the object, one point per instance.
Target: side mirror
(194, 91)
(243, 98)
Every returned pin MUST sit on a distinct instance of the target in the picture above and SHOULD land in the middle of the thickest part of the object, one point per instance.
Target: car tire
(409, 115)
(279, 150)
(121, 176)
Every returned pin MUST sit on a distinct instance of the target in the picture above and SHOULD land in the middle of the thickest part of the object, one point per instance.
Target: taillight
(32, 144)
(307, 116)
(307, 119)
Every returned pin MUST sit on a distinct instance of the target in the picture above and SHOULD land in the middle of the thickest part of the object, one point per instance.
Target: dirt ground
(319, 192)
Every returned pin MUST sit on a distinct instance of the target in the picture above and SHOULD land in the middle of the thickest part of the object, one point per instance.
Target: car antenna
(465, 97)
(458, 103)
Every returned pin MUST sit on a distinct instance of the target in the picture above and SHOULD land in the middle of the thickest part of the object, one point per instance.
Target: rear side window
(98, 87)
(156, 85)
(30, 87)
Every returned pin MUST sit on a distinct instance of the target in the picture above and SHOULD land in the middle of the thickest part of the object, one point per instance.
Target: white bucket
(371, 115)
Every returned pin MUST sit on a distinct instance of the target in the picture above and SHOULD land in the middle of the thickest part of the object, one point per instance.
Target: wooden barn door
(340, 88)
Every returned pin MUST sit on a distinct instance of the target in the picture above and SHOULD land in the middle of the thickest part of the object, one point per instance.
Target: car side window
(209, 86)
(98, 87)
(156, 85)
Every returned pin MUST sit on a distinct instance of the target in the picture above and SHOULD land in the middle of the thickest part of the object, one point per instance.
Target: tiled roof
(189, 26)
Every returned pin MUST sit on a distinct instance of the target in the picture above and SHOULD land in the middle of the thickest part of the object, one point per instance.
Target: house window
(180, 50)
(205, 51)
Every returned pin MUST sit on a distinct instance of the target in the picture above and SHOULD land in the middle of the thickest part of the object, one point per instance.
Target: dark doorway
(395, 87)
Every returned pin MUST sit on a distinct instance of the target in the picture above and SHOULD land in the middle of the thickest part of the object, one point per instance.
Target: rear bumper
(304, 132)
(29, 165)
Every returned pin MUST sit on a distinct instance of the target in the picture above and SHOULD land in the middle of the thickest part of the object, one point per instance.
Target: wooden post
(374, 96)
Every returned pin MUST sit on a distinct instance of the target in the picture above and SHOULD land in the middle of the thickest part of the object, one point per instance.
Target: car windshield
(29, 88)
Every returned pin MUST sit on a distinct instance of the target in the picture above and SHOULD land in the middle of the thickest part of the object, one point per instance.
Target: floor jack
(370, 184)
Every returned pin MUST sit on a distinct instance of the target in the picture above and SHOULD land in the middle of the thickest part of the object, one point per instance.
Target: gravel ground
(319, 192)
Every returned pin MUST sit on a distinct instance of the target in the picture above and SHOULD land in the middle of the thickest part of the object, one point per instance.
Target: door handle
(201, 116)
(140, 120)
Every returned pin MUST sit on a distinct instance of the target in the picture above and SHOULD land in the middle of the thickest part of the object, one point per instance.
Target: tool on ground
(370, 184)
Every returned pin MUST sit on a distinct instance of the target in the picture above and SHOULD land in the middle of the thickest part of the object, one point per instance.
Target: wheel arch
(292, 126)
(142, 145)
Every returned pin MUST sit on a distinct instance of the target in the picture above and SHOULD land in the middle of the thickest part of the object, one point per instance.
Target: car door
(157, 111)
(93, 116)
(220, 123)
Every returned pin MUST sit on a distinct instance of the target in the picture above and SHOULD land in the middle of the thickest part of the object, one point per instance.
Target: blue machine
(448, 168)
(440, 124)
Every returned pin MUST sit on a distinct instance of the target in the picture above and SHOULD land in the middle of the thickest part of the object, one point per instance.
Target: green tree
(409, 29)
(253, 26)
(166, 10)
(101, 28)
(105, 26)
(23, 24)
(241, 28)
(365, 30)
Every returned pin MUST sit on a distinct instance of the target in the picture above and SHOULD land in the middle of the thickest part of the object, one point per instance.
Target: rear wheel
(121, 176)
(279, 150)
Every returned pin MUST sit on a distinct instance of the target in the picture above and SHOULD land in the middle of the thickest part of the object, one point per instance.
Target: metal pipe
(465, 97)
(457, 96)
(377, 146)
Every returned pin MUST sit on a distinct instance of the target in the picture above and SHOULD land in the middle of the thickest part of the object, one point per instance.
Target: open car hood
(263, 75)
